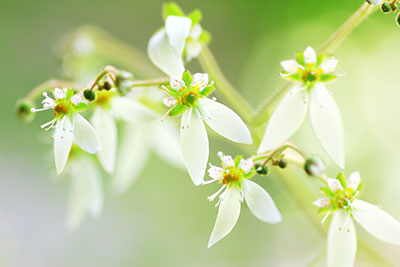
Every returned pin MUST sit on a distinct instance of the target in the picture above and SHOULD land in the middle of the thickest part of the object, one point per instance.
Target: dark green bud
(89, 95)
(261, 170)
(107, 85)
(282, 163)
(386, 8)
(398, 19)
(314, 166)
(23, 110)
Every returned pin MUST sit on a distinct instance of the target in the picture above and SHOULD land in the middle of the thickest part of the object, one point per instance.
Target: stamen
(40, 109)
(213, 196)
(326, 216)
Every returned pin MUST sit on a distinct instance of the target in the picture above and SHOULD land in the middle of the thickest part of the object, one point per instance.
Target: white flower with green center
(188, 96)
(109, 107)
(69, 125)
(341, 199)
(310, 71)
(235, 177)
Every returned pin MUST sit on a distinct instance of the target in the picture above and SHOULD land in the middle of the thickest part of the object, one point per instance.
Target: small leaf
(342, 180)
(172, 9)
(327, 77)
(208, 90)
(187, 78)
(177, 110)
(195, 16)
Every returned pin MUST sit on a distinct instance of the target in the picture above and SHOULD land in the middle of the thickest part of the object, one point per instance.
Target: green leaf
(327, 77)
(80, 107)
(195, 16)
(342, 179)
(172, 9)
(327, 192)
(205, 37)
(208, 90)
(177, 110)
(187, 78)
(300, 58)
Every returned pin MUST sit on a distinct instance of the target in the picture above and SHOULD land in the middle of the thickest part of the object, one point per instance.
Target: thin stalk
(153, 82)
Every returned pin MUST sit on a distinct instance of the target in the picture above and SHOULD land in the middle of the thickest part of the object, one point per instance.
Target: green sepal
(195, 16)
(237, 160)
(297, 77)
(327, 77)
(205, 37)
(361, 187)
(70, 93)
(342, 180)
(208, 90)
(80, 107)
(249, 174)
(177, 110)
(300, 58)
(398, 19)
(327, 192)
(172, 91)
(187, 78)
(172, 9)
(321, 58)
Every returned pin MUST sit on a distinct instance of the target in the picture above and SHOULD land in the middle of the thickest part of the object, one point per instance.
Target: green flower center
(189, 98)
(62, 108)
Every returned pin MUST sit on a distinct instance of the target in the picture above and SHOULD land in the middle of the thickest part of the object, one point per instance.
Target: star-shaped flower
(310, 71)
(341, 199)
(235, 177)
(69, 125)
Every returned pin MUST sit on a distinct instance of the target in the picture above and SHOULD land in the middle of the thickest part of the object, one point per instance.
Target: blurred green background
(163, 220)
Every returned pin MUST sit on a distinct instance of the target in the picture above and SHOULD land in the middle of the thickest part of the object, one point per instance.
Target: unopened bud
(107, 85)
(23, 110)
(282, 163)
(314, 166)
(386, 7)
(89, 95)
(261, 170)
(398, 19)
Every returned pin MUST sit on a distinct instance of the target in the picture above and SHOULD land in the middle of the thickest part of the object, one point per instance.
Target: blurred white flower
(310, 94)
(236, 185)
(341, 199)
(69, 125)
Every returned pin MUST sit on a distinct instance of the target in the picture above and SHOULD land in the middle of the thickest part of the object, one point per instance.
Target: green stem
(153, 82)
(265, 111)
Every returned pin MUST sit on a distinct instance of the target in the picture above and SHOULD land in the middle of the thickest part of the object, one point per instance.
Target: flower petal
(290, 66)
(327, 123)
(194, 145)
(377, 222)
(334, 185)
(228, 214)
(132, 157)
(260, 203)
(164, 56)
(224, 121)
(342, 241)
(178, 29)
(329, 65)
(84, 135)
(215, 172)
(201, 80)
(131, 110)
(228, 161)
(354, 180)
(106, 130)
(246, 165)
(285, 120)
(310, 56)
(63, 136)
(322, 202)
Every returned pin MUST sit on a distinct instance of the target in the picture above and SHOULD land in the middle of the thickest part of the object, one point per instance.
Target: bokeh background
(163, 220)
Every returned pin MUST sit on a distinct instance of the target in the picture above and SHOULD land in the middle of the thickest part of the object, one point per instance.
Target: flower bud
(23, 110)
(107, 85)
(261, 170)
(386, 8)
(282, 163)
(89, 95)
(398, 19)
(314, 166)
(374, 2)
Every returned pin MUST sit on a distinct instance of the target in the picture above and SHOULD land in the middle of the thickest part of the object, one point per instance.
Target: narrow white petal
(228, 214)
(132, 156)
(228, 161)
(84, 135)
(342, 241)
(327, 123)
(334, 185)
(178, 29)
(193, 49)
(164, 56)
(201, 80)
(215, 172)
(246, 165)
(285, 120)
(329, 65)
(376, 221)
(63, 136)
(322, 202)
(290, 66)
(194, 145)
(59, 93)
(196, 31)
(354, 180)
(224, 121)
(106, 130)
(260, 203)
(131, 110)
(310, 56)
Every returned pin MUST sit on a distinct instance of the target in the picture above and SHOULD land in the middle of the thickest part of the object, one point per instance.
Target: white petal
(76, 99)
(260, 203)
(310, 56)
(131, 110)
(285, 120)
(196, 31)
(106, 130)
(224, 121)
(194, 145)
(228, 161)
(246, 165)
(228, 214)
(84, 135)
(215, 172)
(170, 101)
(178, 29)
(376, 221)
(201, 80)
(342, 241)
(86, 195)
(63, 136)
(59, 93)
(327, 123)
(132, 157)
(334, 185)
(193, 49)
(290, 66)
(322, 202)
(354, 180)
(164, 56)
(176, 82)
(166, 143)
(329, 65)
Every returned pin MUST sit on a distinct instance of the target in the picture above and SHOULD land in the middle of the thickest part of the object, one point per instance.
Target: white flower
(193, 45)
(236, 186)
(311, 94)
(86, 195)
(110, 107)
(374, 2)
(69, 125)
(342, 240)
